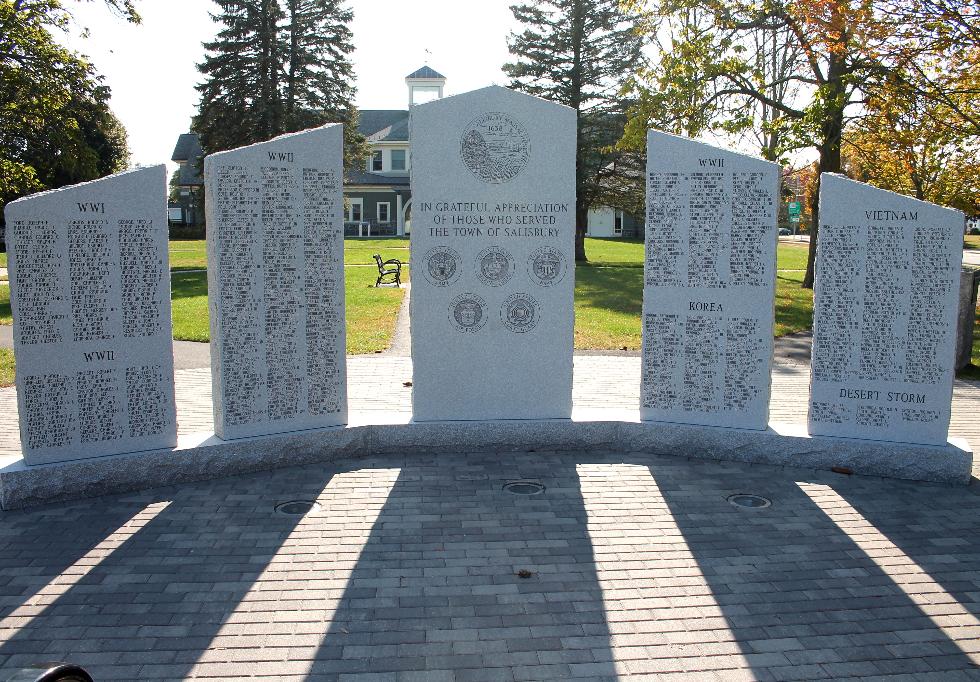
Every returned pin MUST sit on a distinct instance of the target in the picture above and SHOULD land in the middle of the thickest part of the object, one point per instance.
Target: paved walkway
(377, 382)
(626, 567)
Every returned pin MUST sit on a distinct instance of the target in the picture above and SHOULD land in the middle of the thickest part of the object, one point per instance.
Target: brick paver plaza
(423, 568)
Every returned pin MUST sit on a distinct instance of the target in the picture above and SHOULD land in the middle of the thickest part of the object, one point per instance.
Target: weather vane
(427, 55)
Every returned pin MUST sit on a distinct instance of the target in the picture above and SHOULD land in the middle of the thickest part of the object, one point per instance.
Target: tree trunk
(581, 208)
(263, 113)
(581, 218)
(830, 159)
(294, 31)
(581, 203)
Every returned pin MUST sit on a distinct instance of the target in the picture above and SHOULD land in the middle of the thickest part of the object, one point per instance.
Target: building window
(384, 212)
(397, 159)
(376, 161)
(420, 94)
(618, 224)
(355, 210)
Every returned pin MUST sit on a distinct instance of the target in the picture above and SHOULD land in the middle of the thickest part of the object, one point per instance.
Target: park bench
(388, 268)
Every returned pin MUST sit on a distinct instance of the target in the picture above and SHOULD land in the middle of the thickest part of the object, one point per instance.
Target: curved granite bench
(203, 456)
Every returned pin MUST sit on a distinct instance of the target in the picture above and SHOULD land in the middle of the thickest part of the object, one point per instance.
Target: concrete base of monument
(203, 456)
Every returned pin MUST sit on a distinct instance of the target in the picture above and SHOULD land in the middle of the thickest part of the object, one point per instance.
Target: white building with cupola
(378, 197)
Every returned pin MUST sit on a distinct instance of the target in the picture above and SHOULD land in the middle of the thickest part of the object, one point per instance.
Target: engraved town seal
(495, 147)
(546, 266)
(494, 266)
(519, 313)
(468, 313)
(442, 266)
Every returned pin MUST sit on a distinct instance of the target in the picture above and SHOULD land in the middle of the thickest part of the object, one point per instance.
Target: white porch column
(399, 218)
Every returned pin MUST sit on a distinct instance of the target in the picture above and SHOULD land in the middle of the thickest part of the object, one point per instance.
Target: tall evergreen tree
(277, 66)
(239, 97)
(579, 53)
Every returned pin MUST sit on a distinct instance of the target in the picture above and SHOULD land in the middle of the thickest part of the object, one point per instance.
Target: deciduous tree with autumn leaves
(851, 61)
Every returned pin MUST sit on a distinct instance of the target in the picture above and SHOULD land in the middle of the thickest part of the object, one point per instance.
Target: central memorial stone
(884, 315)
(709, 281)
(276, 284)
(90, 293)
(493, 193)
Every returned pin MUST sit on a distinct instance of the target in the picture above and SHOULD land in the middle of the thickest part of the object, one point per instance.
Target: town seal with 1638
(495, 147)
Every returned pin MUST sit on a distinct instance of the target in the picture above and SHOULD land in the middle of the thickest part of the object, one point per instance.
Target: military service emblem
(442, 266)
(468, 313)
(546, 266)
(494, 266)
(519, 313)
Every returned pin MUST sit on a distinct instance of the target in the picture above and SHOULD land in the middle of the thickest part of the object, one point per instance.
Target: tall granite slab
(708, 285)
(493, 261)
(884, 315)
(90, 292)
(276, 284)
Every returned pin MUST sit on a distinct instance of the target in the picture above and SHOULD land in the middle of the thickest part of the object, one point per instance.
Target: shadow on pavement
(460, 580)
(926, 542)
(805, 593)
(146, 607)
(414, 568)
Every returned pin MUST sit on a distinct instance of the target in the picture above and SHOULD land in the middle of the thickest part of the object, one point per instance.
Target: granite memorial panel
(276, 284)
(90, 292)
(884, 327)
(493, 228)
(709, 281)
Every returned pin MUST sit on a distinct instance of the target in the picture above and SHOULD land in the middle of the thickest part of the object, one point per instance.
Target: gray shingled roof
(425, 72)
(188, 148)
(372, 121)
(396, 132)
(189, 174)
(188, 154)
(356, 177)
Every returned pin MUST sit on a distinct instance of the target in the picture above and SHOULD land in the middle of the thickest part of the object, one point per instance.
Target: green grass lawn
(614, 251)
(972, 371)
(191, 254)
(971, 241)
(6, 366)
(189, 305)
(608, 302)
(609, 294)
(5, 316)
(629, 253)
(792, 256)
(188, 254)
(361, 250)
(371, 312)
(794, 304)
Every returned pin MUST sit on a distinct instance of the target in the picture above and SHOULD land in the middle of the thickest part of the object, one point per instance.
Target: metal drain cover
(297, 507)
(524, 487)
(749, 501)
